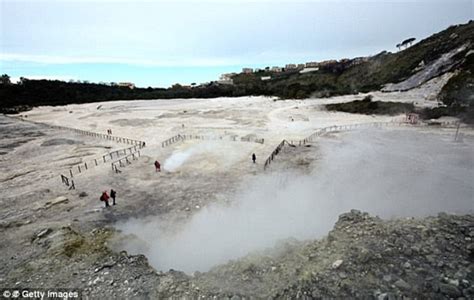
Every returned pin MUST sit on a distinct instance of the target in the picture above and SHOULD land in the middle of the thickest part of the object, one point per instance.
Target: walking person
(157, 166)
(254, 157)
(105, 198)
(112, 195)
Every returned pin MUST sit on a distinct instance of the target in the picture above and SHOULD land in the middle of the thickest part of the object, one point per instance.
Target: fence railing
(325, 130)
(68, 182)
(84, 166)
(109, 137)
(347, 127)
(252, 139)
(171, 140)
(126, 160)
(183, 137)
(275, 153)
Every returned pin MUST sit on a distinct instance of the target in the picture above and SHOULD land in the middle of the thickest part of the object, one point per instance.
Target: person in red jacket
(105, 198)
(157, 166)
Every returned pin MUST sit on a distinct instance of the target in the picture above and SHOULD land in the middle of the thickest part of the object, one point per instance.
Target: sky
(159, 43)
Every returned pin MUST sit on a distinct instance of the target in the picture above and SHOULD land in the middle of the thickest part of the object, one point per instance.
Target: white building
(276, 69)
(127, 84)
(226, 78)
(247, 70)
(312, 64)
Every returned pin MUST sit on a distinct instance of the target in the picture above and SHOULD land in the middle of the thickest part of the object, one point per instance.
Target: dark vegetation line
(341, 78)
(368, 107)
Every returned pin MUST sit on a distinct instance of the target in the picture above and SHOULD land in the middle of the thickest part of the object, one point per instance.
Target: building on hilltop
(126, 84)
(226, 78)
(359, 60)
(276, 69)
(327, 63)
(312, 64)
(247, 70)
(290, 66)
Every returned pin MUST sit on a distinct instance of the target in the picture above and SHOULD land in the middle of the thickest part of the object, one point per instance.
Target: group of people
(109, 131)
(105, 197)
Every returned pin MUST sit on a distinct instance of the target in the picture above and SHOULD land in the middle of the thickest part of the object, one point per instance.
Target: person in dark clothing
(157, 166)
(105, 198)
(112, 195)
(254, 157)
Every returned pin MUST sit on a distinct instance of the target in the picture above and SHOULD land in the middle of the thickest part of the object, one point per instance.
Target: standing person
(105, 198)
(254, 157)
(112, 195)
(157, 166)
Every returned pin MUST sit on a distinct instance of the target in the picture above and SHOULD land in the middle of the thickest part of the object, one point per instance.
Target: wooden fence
(347, 127)
(109, 137)
(83, 166)
(68, 182)
(275, 153)
(183, 137)
(126, 160)
(171, 140)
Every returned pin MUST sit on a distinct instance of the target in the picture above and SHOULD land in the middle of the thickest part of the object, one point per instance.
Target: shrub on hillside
(368, 107)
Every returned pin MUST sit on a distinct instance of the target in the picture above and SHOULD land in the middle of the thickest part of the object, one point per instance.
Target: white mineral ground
(211, 203)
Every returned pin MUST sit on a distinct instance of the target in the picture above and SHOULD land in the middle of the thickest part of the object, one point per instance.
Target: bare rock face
(362, 257)
(426, 72)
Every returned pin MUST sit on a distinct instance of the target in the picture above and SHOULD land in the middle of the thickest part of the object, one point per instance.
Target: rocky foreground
(363, 257)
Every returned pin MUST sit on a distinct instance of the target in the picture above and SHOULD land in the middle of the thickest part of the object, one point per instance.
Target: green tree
(5, 80)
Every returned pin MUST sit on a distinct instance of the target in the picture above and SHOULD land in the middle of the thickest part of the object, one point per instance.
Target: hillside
(446, 51)
(378, 70)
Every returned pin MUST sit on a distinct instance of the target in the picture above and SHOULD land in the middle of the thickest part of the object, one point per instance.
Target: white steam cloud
(396, 173)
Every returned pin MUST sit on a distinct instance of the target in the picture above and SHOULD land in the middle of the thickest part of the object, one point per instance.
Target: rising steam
(395, 173)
